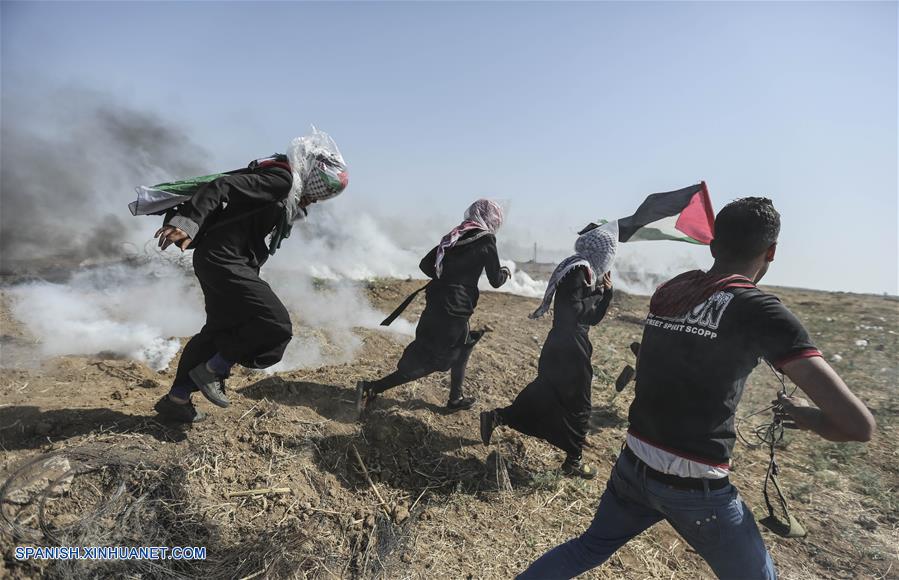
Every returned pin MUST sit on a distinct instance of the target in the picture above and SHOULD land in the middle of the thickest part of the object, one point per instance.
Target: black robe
(443, 333)
(229, 220)
(556, 405)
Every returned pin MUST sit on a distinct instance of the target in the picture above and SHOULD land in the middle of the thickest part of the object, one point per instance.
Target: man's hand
(507, 271)
(607, 280)
(839, 416)
(169, 235)
(797, 413)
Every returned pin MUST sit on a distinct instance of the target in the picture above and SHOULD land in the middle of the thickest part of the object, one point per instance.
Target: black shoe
(577, 468)
(364, 396)
(461, 404)
(211, 385)
(182, 413)
(626, 376)
(473, 337)
(488, 424)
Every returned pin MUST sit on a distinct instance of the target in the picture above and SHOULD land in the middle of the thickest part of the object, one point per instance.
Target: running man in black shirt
(704, 334)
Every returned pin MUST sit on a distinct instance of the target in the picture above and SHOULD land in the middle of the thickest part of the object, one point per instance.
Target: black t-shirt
(692, 369)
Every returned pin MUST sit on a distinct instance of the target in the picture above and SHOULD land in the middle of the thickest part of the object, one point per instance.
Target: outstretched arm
(497, 275)
(839, 415)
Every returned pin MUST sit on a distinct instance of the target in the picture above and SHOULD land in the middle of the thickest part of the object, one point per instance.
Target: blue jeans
(716, 523)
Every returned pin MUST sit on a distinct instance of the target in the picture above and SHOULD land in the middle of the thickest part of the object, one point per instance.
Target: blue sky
(573, 111)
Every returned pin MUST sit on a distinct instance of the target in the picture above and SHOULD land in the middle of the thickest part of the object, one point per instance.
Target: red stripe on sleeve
(807, 353)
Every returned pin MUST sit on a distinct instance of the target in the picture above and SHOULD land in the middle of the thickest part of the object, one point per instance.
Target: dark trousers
(245, 322)
(457, 376)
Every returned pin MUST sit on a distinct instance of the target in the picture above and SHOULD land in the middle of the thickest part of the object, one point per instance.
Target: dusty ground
(443, 512)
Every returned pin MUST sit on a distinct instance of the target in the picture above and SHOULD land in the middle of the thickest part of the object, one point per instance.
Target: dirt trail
(444, 512)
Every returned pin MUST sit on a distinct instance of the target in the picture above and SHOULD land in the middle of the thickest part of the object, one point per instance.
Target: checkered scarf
(319, 171)
(594, 250)
(484, 215)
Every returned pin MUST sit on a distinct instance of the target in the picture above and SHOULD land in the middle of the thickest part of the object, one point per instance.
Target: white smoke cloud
(519, 283)
(141, 306)
(325, 316)
(124, 309)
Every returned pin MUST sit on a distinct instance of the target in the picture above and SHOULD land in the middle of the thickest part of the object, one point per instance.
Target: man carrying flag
(704, 334)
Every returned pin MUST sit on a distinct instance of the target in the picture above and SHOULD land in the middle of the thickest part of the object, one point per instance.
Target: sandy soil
(435, 506)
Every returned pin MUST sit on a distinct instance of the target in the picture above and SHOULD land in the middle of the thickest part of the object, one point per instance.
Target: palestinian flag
(684, 215)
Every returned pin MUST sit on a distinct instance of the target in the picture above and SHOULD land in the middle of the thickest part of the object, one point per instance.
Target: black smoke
(70, 162)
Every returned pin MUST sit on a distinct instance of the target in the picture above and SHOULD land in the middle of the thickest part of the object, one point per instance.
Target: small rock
(370, 521)
(836, 358)
(862, 343)
(148, 384)
(866, 523)
(879, 348)
(400, 514)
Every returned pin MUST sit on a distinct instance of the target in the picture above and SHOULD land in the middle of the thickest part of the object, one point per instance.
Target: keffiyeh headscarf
(319, 171)
(594, 250)
(484, 214)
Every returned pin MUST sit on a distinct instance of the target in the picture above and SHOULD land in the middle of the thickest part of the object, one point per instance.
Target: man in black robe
(443, 339)
(226, 222)
(556, 405)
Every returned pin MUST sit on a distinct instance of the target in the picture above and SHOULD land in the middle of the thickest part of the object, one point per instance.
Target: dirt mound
(287, 483)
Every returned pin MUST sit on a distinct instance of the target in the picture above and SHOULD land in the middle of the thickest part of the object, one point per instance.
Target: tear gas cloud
(64, 189)
(68, 171)
(126, 309)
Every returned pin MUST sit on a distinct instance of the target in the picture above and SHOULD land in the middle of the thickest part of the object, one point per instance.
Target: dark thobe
(556, 405)
(443, 336)
(229, 219)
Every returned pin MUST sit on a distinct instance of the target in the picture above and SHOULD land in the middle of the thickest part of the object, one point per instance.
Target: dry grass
(435, 502)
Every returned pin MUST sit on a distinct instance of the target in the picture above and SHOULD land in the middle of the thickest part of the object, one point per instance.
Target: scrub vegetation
(411, 492)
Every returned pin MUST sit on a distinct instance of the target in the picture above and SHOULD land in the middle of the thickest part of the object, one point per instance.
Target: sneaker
(181, 413)
(488, 424)
(461, 404)
(211, 385)
(626, 376)
(577, 468)
(364, 396)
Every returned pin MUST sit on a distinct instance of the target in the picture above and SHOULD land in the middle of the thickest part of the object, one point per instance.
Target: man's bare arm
(839, 416)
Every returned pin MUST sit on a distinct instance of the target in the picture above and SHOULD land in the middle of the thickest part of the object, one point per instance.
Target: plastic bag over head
(319, 170)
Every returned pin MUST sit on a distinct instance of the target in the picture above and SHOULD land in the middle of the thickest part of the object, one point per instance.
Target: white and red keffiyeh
(594, 250)
(484, 214)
